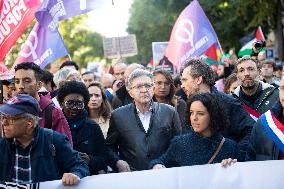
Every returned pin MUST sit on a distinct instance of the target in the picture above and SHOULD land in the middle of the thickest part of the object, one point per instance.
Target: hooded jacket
(59, 122)
(266, 96)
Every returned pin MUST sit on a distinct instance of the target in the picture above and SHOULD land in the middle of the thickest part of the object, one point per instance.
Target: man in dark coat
(198, 77)
(32, 154)
(121, 96)
(140, 131)
(267, 134)
(256, 96)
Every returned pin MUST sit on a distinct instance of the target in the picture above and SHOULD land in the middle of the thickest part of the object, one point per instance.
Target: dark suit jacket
(130, 142)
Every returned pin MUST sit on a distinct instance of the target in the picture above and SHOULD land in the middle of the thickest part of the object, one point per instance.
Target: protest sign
(52, 11)
(242, 175)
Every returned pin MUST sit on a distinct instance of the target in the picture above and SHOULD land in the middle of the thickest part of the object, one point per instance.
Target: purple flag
(42, 47)
(52, 11)
(191, 36)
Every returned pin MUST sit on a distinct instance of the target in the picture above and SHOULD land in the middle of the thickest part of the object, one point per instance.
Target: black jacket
(45, 166)
(261, 147)
(121, 98)
(241, 123)
(130, 142)
(88, 138)
(263, 100)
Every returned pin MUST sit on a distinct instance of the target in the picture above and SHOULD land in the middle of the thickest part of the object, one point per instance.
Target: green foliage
(83, 45)
(153, 20)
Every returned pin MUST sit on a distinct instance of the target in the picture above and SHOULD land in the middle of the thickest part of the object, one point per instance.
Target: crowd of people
(70, 125)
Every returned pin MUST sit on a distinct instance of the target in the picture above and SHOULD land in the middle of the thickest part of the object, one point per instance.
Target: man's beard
(250, 87)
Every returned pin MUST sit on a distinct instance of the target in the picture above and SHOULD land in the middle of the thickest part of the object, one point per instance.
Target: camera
(259, 44)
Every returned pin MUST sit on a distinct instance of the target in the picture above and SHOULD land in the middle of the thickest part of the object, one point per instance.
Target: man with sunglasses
(28, 78)
(140, 131)
(31, 154)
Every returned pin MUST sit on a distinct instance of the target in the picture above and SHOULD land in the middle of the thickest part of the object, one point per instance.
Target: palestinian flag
(248, 40)
(213, 54)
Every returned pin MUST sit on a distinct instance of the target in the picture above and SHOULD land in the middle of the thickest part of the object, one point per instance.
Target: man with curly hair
(198, 77)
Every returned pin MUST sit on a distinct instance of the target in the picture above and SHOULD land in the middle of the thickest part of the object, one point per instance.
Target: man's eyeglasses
(140, 86)
(10, 120)
(160, 83)
(74, 104)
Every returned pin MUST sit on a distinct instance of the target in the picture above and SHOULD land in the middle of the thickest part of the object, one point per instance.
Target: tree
(82, 44)
(152, 20)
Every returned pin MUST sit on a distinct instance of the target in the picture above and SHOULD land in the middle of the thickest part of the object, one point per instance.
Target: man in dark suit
(140, 131)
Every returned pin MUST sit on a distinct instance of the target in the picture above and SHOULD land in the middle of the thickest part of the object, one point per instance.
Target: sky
(111, 21)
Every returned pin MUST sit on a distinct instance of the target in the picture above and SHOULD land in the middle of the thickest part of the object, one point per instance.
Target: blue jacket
(261, 147)
(193, 149)
(45, 166)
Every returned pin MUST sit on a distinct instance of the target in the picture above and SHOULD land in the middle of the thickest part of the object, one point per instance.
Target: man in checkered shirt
(32, 154)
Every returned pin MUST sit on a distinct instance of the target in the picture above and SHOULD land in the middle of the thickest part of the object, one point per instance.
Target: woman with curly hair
(164, 92)
(87, 135)
(98, 107)
(204, 144)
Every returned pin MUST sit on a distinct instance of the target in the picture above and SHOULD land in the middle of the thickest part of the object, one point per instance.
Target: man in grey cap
(31, 154)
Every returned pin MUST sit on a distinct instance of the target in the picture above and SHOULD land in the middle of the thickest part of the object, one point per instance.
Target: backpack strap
(48, 116)
(49, 134)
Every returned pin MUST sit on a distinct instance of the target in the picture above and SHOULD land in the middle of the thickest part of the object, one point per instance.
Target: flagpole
(69, 56)
(220, 47)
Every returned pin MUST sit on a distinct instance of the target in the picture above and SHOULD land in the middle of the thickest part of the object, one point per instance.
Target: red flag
(14, 18)
(259, 34)
(3, 67)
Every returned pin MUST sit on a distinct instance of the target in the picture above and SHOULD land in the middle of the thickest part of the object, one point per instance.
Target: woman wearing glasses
(164, 92)
(87, 136)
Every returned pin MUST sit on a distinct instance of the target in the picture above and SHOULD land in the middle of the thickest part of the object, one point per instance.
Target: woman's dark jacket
(261, 147)
(45, 166)
(193, 149)
(88, 138)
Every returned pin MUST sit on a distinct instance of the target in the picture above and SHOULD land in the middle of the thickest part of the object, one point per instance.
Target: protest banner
(42, 47)
(191, 36)
(45, 43)
(52, 11)
(15, 16)
(242, 175)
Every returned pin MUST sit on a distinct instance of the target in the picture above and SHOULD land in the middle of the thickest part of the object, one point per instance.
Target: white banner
(248, 175)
